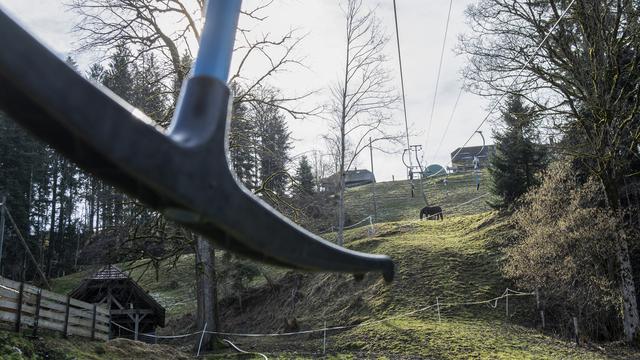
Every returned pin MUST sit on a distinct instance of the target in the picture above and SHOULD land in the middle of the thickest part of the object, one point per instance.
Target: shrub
(566, 248)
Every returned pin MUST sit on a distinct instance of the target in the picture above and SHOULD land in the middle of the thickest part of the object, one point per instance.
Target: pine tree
(242, 144)
(119, 76)
(518, 156)
(304, 179)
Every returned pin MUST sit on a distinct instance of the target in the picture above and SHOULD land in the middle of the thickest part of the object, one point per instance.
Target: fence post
(324, 339)
(438, 307)
(539, 307)
(65, 332)
(19, 314)
(36, 316)
(575, 329)
(93, 322)
(3, 199)
(506, 306)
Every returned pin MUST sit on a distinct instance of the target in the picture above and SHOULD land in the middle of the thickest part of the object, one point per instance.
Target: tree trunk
(52, 226)
(206, 287)
(627, 284)
(341, 212)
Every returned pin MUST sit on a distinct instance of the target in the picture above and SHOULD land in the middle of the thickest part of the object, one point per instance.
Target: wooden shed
(133, 311)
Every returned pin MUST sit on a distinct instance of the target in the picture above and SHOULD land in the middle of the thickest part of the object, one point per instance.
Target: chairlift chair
(184, 172)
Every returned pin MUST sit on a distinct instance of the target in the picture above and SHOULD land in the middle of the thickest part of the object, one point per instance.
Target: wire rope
(435, 93)
(504, 94)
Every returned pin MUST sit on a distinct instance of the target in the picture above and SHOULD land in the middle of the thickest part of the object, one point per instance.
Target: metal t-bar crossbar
(184, 173)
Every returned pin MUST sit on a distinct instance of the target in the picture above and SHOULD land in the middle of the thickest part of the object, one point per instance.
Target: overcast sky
(422, 26)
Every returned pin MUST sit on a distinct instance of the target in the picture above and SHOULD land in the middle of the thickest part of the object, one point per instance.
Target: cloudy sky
(422, 26)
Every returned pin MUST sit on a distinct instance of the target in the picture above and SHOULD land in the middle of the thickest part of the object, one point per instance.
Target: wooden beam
(132, 312)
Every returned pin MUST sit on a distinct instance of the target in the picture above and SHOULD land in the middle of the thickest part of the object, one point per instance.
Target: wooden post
(575, 329)
(506, 306)
(324, 340)
(539, 307)
(93, 322)
(36, 316)
(3, 199)
(19, 311)
(65, 332)
(136, 325)
(373, 185)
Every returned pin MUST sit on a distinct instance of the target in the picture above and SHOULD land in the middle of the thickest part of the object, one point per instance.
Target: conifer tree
(518, 156)
(304, 179)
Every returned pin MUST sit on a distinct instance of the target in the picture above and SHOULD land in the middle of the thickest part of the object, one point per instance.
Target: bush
(566, 248)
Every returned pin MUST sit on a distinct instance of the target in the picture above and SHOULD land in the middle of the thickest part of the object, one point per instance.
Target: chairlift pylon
(185, 172)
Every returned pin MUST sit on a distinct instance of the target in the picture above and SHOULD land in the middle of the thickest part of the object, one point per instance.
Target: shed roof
(95, 287)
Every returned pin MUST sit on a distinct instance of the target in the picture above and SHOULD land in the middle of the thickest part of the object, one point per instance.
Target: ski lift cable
(504, 94)
(404, 100)
(435, 92)
(446, 130)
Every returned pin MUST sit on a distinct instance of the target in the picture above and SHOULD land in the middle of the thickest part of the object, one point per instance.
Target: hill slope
(394, 201)
(454, 261)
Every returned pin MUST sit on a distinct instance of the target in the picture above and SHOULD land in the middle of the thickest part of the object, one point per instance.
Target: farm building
(133, 311)
(462, 159)
(353, 178)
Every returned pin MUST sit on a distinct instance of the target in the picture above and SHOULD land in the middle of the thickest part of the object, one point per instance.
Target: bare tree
(170, 29)
(362, 99)
(584, 77)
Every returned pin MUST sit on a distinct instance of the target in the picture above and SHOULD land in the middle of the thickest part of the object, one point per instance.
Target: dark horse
(431, 212)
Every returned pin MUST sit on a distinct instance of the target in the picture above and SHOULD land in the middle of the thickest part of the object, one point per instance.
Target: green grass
(394, 201)
(455, 260)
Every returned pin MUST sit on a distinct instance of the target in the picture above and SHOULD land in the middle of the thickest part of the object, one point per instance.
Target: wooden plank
(89, 315)
(8, 316)
(81, 313)
(104, 310)
(54, 296)
(8, 306)
(84, 305)
(9, 283)
(28, 320)
(52, 305)
(131, 312)
(8, 293)
(79, 328)
(86, 323)
(81, 304)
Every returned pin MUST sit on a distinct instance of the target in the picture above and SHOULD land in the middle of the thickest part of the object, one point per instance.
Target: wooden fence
(24, 304)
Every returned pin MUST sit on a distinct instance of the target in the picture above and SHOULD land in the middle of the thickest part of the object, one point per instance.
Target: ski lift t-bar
(184, 173)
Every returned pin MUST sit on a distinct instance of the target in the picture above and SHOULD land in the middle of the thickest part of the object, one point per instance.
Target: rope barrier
(492, 302)
(244, 352)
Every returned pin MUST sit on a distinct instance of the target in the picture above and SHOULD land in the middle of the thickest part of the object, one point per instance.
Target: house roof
(352, 177)
(470, 151)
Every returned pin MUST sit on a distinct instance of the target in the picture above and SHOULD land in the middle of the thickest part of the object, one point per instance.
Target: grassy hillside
(394, 201)
(456, 261)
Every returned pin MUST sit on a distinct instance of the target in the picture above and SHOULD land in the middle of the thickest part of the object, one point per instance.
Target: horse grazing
(431, 212)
